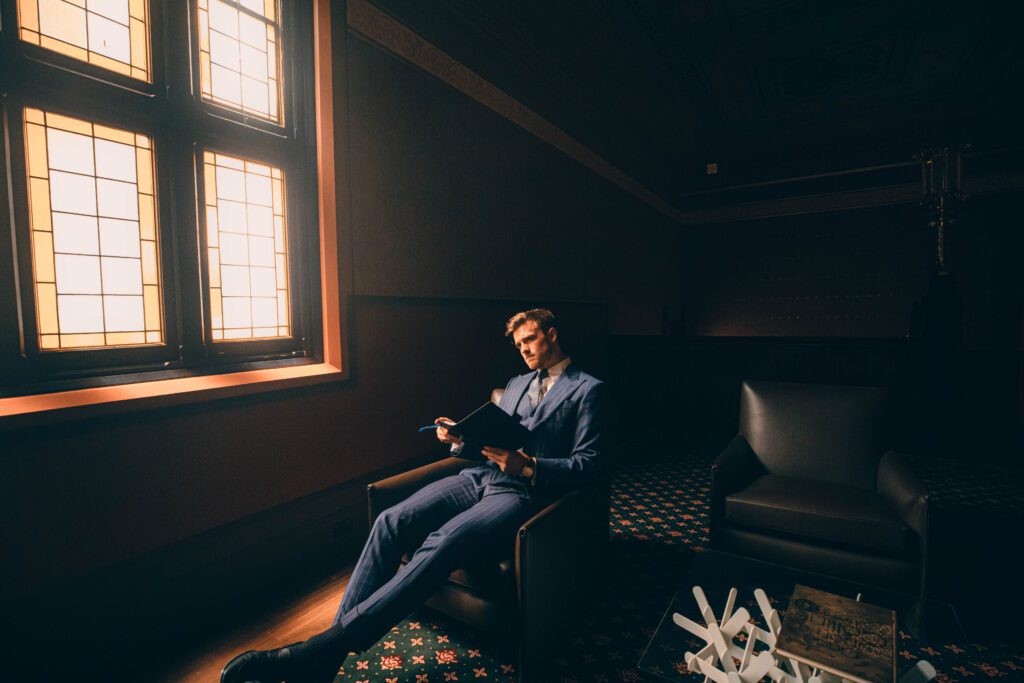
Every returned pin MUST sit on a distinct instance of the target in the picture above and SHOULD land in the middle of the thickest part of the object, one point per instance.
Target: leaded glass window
(247, 252)
(161, 212)
(240, 56)
(112, 34)
(94, 239)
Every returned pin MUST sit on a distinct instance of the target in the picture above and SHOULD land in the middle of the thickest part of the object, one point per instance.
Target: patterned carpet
(659, 518)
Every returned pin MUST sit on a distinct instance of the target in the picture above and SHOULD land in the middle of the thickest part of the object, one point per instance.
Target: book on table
(489, 425)
(851, 639)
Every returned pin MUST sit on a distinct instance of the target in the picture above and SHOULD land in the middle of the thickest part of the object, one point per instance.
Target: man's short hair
(544, 318)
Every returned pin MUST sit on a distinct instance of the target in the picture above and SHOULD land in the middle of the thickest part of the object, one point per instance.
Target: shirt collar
(558, 368)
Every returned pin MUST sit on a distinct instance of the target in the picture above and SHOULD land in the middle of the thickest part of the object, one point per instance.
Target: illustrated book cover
(845, 637)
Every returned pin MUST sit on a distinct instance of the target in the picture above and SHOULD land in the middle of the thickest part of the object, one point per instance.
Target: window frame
(172, 112)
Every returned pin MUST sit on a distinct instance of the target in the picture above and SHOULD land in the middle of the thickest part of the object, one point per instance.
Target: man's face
(536, 347)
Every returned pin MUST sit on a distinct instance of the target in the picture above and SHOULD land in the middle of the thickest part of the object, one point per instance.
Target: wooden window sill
(26, 411)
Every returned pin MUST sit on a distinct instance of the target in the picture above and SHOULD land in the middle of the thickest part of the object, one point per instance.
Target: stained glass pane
(93, 232)
(246, 249)
(74, 234)
(239, 54)
(80, 314)
(112, 34)
(119, 238)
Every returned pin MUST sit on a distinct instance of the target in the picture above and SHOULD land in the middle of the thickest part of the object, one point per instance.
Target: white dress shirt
(554, 372)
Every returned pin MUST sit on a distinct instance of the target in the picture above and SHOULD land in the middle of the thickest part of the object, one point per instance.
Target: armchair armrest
(734, 468)
(382, 494)
(559, 553)
(903, 491)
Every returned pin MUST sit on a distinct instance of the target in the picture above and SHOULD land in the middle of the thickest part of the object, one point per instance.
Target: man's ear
(553, 334)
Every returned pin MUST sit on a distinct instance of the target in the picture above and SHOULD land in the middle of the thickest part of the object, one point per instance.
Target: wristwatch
(528, 469)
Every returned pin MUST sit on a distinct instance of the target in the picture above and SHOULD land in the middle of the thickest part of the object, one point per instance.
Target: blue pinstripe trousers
(469, 515)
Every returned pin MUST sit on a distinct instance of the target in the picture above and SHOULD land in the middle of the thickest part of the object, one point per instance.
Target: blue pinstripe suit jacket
(568, 427)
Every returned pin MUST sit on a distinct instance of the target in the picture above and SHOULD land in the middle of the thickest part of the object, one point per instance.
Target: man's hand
(442, 433)
(510, 462)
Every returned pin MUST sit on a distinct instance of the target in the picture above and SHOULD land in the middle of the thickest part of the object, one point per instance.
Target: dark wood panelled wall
(865, 275)
(841, 297)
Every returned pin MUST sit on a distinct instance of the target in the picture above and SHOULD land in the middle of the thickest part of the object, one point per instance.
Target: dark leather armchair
(533, 593)
(807, 483)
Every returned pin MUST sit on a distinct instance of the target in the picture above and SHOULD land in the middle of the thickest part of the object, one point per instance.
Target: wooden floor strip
(295, 620)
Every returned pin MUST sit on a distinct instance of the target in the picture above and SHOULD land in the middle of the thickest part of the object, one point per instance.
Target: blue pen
(443, 424)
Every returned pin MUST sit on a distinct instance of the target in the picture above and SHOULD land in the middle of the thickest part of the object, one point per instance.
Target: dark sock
(318, 659)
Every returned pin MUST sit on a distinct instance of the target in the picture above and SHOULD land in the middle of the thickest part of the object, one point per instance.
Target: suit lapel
(511, 398)
(561, 390)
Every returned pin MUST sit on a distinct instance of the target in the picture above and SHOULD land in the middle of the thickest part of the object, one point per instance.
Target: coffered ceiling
(765, 88)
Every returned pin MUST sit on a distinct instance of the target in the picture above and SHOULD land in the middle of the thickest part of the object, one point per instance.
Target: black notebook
(489, 425)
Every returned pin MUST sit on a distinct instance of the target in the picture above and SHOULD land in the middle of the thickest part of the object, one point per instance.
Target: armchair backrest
(816, 431)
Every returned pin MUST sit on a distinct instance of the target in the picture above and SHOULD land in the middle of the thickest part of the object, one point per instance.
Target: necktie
(537, 390)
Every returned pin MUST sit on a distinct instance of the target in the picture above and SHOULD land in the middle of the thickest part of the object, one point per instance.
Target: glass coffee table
(717, 572)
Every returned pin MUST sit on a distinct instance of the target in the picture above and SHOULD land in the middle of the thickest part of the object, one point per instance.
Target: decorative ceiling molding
(387, 32)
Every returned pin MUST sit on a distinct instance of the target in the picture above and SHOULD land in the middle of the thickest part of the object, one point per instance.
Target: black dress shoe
(264, 666)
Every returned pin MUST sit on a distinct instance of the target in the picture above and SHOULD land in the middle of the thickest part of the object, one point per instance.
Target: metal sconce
(941, 192)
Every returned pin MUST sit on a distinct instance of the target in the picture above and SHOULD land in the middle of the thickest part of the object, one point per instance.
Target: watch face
(527, 471)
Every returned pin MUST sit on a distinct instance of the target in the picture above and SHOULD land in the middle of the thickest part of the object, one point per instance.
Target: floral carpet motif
(659, 518)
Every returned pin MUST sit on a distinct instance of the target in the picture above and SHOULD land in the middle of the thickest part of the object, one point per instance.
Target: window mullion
(12, 351)
(180, 113)
(180, 209)
(299, 103)
(20, 234)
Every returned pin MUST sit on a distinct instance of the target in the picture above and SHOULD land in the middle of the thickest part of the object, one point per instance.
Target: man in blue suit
(470, 514)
